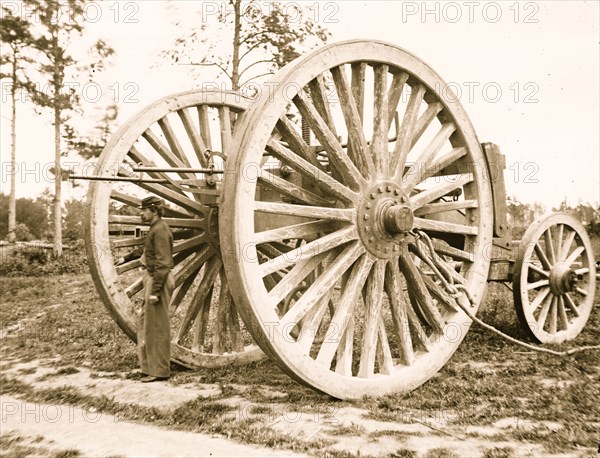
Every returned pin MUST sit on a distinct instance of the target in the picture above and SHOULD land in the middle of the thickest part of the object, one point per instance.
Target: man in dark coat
(154, 343)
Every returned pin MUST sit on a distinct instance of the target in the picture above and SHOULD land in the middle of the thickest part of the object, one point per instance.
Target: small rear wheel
(554, 279)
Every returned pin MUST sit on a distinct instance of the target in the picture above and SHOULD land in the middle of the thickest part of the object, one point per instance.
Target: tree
(15, 36)
(30, 213)
(264, 36)
(73, 221)
(91, 147)
(57, 31)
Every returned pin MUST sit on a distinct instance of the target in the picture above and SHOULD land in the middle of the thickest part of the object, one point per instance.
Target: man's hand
(120, 261)
(152, 299)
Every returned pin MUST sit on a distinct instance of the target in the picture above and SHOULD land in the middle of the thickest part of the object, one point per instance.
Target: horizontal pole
(177, 170)
(131, 180)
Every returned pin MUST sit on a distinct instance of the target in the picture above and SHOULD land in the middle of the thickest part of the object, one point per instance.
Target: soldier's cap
(151, 202)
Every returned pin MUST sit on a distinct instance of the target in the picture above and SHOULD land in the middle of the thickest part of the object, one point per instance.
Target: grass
(13, 445)
(488, 379)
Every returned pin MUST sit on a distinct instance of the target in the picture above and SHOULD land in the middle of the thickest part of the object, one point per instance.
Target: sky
(527, 74)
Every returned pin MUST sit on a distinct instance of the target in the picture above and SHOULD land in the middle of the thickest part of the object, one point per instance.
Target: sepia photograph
(278, 228)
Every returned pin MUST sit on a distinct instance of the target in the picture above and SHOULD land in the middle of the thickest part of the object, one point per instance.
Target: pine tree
(16, 39)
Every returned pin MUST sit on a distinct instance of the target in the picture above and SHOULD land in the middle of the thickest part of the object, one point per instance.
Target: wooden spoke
(201, 323)
(553, 315)
(318, 94)
(539, 270)
(381, 126)
(172, 222)
(336, 154)
(205, 126)
(417, 288)
(225, 124)
(538, 284)
(424, 120)
(358, 87)
(209, 276)
(170, 195)
(343, 313)
(294, 277)
(559, 241)
(542, 257)
(174, 145)
(441, 226)
(297, 145)
(573, 256)
(566, 246)
(581, 291)
(549, 247)
(405, 135)
(195, 139)
(327, 213)
(353, 117)
(193, 265)
(562, 313)
(395, 94)
(541, 319)
(343, 364)
(128, 266)
(171, 158)
(571, 304)
(413, 176)
(223, 308)
(442, 207)
(296, 231)
(137, 157)
(444, 162)
(290, 189)
(322, 284)
(181, 292)
(440, 190)
(398, 307)
(384, 353)
(447, 250)
(310, 323)
(125, 243)
(135, 287)
(325, 181)
(439, 294)
(311, 249)
(373, 302)
(541, 296)
(582, 271)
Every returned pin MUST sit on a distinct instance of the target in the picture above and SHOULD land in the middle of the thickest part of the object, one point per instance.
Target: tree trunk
(12, 201)
(235, 64)
(57, 187)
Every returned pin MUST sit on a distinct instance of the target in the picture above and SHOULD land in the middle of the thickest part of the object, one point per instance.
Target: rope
(453, 290)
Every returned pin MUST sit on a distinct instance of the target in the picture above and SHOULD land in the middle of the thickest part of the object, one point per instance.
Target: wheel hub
(562, 279)
(384, 219)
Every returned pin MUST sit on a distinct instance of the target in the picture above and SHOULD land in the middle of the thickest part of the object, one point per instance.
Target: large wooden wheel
(189, 130)
(350, 240)
(554, 279)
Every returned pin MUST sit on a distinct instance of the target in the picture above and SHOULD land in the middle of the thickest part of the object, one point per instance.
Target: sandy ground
(94, 433)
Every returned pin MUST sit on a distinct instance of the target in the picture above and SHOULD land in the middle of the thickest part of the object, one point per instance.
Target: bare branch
(264, 61)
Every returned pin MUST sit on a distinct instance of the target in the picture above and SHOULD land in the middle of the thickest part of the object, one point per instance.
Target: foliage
(22, 233)
(588, 214)
(30, 212)
(35, 261)
(73, 220)
(261, 40)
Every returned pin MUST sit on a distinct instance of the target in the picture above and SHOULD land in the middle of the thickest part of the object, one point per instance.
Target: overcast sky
(527, 74)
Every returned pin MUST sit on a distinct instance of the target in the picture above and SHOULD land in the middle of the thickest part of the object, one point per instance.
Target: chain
(438, 265)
